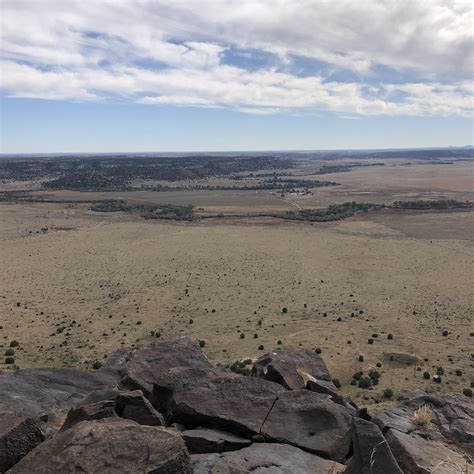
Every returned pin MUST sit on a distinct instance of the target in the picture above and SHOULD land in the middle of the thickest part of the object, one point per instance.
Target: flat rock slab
(264, 458)
(238, 404)
(291, 368)
(36, 392)
(18, 436)
(108, 446)
(311, 421)
(416, 455)
(205, 440)
(371, 452)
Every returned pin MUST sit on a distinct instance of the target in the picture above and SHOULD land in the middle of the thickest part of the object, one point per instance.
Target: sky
(215, 75)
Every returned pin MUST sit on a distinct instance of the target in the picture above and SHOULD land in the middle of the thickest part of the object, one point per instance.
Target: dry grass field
(76, 285)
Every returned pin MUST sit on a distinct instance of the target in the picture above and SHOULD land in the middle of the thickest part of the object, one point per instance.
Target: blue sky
(215, 75)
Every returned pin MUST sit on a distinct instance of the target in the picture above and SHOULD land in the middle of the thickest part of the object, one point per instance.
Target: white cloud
(162, 52)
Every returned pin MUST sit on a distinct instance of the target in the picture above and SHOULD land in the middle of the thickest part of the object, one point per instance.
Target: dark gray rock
(311, 421)
(108, 446)
(453, 417)
(417, 455)
(291, 368)
(371, 453)
(51, 392)
(112, 403)
(328, 388)
(205, 440)
(18, 436)
(139, 368)
(267, 458)
(230, 403)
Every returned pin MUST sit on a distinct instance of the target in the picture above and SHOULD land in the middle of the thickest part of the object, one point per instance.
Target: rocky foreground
(164, 408)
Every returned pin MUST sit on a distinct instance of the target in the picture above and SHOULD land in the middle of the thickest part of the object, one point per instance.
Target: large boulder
(231, 403)
(418, 455)
(112, 403)
(311, 421)
(452, 417)
(205, 440)
(108, 446)
(47, 392)
(264, 458)
(18, 436)
(139, 368)
(371, 453)
(291, 368)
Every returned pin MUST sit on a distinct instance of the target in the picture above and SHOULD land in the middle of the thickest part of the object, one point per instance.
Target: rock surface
(291, 368)
(310, 421)
(108, 446)
(18, 436)
(205, 440)
(371, 453)
(268, 458)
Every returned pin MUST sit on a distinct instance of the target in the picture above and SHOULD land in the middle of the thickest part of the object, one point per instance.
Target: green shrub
(284, 310)
(9, 360)
(14, 344)
(361, 358)
(364, 382)
(426, 375)
(318, 350)
(370, 341)
(9, 352)
(96, 365)
(374, 374)
(337, 383)
(260, 347)
(389, 337)
(458, 372)
(440, 371)
(467, 392)
(357, 376)
(388, 393)
(202, 343)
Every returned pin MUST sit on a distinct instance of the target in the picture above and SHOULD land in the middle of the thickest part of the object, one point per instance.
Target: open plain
(378, 290)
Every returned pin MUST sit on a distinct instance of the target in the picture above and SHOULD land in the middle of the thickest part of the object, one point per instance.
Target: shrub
(440, 371)
(361, 358)
(389, 337)
(357, 376)
(337, 383)
(255, 336)
(423, 417)
(445, 333)
(374, 374)
(370, 341)
(353, 382)
(378, 364)
(242, 335)
(467, 392)
(388, 393)
(260, 347)
(202, 343)
(96, 365)
(9, 352)
(279, 342)
(9, 360)
(284, 310)
(364, 382)
(318, 350)
(426, 375)
(458, 372)
(14, 344)
(437, 379)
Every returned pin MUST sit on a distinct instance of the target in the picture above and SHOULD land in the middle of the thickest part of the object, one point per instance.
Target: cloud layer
(373, 57)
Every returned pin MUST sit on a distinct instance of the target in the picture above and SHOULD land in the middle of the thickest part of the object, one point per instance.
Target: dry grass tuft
(423, 417)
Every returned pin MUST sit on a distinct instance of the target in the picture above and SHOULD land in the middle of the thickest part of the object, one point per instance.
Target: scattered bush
(426, 375)
(389, 337)
(9, 352)
(467, 392)
(14, 344)
(388, 393)
(337, 383)
(361, 358)
(9, 360)
(357, 376)
(370, 341)
(318, 350)
(242, 335)
(279, 342)
(260, 347)
(202, 343)
(445, 333)
(374, 374)
(96, 365)
(458, 372)
(440, 371)
(255, 336)
(423, 417)
(284, 310)
(364, 382)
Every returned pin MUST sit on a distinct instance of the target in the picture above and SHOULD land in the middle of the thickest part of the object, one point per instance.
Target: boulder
(18, 436)
(108, 446)
(51, 392)
(311, 421)
(371, 453)
(328, 388)
(417, 455)
(291, 368)
(112, 403)
(205, 440)
(139, 368)
(264, 458)
(230, 403)
(453, 417)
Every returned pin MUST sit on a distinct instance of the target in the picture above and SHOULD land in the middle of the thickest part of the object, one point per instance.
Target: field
(76, 284)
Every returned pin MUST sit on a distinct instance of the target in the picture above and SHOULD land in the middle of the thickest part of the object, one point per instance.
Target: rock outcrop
(164, 408)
